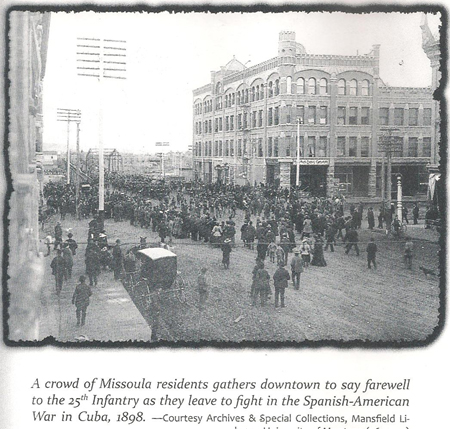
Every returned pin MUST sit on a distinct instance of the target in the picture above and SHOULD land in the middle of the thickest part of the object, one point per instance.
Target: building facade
(28, 36)
(246, 122)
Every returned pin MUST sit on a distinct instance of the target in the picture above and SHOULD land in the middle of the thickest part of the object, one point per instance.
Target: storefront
(312, 176)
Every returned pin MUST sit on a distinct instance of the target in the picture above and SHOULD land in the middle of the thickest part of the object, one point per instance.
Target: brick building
(246, 121)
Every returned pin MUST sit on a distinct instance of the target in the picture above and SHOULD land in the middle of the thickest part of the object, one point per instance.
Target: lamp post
(399, 198)
(102, 59)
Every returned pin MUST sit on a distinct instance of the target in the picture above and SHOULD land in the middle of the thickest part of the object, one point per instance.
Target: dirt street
(342, 301)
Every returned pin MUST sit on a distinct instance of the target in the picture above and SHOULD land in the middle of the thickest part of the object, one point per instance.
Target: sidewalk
(111, 315)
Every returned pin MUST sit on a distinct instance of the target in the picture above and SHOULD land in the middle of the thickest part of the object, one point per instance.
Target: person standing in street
(280, 281)
(68, 261)
(80, 299)
(371, 254)
(202, 287)
(58, 235)
(58, 267)
(48, 243)
(296, 268)
(226, 250)
(92, 260)
(415, 213)
(351, 240)
(117, 260)
(73, 246)
(262, 285)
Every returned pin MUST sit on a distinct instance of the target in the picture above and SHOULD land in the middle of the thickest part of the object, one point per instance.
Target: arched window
(353, 87)
(277, 87)
(261, 93)
(289, 85)
(246, 95)
(312, 86)
(365, 87)
(233, 98)
(341, 87)
(257, 92)
(300, 85)
(238, 98)
(253, 93)
(323, 86)
(270, 89)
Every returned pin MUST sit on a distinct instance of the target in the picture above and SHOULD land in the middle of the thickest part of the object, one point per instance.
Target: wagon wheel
(179, 288)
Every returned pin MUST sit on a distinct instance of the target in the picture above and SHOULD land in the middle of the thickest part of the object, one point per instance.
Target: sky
(169, 55)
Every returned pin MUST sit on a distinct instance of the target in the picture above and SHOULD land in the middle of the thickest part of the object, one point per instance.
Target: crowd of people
(274, 219)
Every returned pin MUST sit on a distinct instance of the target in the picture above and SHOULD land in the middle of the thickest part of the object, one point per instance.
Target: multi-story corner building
(246, 122)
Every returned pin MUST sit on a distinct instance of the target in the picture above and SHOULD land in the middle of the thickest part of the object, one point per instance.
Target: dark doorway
(313, 179)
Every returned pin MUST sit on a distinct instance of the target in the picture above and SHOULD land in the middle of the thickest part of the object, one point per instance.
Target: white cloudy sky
(171, 54)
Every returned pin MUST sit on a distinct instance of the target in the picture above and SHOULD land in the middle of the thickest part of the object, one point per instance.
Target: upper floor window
(413, 117)
(246, 96)
(261, 93)
(257, 93)
(323, 115)
(276, 118)
(270, 117)
(353, 87)
(384, 116)
(277, 87)
(341, 116)
(311, 114)
(426, 146)
(312, 86)
(365, 115)
(365, 146)
(353, 116)
(253, 94)
(427, 117)
(398, 116)
(270, 89)
(323, 86)
(341, 87)
(300, 85)
(365, 87)
(301, 114)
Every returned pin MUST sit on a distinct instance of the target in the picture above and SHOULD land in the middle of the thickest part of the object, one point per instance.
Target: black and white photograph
(224, 179)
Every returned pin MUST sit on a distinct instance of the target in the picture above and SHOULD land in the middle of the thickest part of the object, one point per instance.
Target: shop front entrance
(313, 179)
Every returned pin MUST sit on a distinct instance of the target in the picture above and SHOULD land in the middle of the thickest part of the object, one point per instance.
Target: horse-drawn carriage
(155, 273)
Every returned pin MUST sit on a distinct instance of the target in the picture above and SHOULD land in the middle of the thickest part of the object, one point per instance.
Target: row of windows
(401, 116)
(311, 87)
(412, 147)
(319, 115)
(311, 147)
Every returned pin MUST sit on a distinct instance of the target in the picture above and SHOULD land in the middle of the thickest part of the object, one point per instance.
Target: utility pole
(297, 175)
(102, 59)
(389, 145)
(68, 115)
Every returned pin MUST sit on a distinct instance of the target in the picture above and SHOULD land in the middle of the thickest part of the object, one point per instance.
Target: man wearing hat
(117, 260)
(80, 299)
(226, 250)
(296, 268)
(58, 266)
(280, 281)
(73, 246)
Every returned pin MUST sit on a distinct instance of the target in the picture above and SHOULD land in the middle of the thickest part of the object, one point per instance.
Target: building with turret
(249, 123)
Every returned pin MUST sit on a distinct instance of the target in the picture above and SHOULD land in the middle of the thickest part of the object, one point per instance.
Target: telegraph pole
(102, 59)
(388, 146)
(297, 176)
(68, 115)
